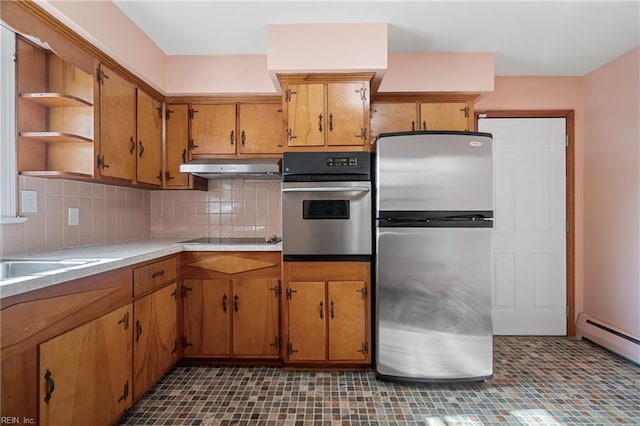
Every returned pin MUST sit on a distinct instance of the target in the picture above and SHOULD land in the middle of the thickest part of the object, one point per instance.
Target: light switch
(74, 216)
(29, 201)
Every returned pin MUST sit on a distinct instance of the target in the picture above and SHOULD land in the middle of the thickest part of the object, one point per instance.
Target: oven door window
(325, 209)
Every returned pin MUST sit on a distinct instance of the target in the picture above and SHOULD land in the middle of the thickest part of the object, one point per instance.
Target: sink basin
(20, 268)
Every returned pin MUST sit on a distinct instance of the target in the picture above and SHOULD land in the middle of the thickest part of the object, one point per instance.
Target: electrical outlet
(74, 216)
(28, 201)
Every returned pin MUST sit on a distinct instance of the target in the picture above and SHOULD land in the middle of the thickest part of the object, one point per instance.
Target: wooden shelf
(55, 100)
(51, 174)
(55, 137)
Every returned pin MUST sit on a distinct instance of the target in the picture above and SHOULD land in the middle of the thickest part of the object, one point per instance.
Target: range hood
(213, 168)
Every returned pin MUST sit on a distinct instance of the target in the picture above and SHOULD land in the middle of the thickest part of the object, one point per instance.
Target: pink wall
(327, 47)
(439, 72)
(96, 20)
(549, 93)
(229, 74)
(612, 193)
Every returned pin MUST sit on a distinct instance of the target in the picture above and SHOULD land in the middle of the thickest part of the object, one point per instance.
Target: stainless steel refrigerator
(434, 215)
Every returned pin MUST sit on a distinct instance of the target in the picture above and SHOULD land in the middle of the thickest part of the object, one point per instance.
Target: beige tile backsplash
(231, 207)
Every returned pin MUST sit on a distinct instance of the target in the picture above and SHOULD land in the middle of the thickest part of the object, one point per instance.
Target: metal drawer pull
(157, 274)
(329, 189)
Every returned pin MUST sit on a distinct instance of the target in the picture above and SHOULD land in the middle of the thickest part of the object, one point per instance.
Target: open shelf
(56, 174)
(55, 100)
(55, 137)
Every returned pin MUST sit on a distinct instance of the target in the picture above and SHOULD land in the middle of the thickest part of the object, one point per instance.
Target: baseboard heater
(609, 337)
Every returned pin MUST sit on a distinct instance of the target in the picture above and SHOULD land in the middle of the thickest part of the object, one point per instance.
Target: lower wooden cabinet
(85, 373)
(231, 304)
(154, 337)
(327, 312)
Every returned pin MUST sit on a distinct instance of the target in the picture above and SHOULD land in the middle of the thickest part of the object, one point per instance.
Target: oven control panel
(342, 162)
(326, 166)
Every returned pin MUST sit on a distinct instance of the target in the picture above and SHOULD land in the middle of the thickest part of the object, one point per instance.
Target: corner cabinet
(231, 304)
(85, 374)
(414, 113)
(327, 308)
(326, 111)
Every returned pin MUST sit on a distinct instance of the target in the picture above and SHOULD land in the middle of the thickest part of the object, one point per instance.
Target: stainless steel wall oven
(326, 205)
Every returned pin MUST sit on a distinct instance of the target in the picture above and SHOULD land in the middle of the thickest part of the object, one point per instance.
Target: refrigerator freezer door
(433, 304)
(434, 171)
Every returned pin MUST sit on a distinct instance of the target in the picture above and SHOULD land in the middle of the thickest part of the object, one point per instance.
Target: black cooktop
(234, 240)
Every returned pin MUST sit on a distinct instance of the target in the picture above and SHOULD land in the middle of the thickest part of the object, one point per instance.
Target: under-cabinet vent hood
(212, 168)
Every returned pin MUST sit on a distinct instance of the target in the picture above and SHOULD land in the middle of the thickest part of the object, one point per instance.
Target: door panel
(307, 325)
(261, 128)
(207, 319)
(255, 317)
(445, 116)
(306, 115)
(213, 129)
(345, 109)
(149, 139)
(393, 117)
(529, 240)
(177, 145)
(347, 329)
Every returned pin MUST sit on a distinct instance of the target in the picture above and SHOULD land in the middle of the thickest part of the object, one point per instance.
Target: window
(8, 188)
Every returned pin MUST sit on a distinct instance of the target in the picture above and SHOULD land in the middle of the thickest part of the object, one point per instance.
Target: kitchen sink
(19, 268)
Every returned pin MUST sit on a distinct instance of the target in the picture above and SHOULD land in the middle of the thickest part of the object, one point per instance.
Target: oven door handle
(328, 189)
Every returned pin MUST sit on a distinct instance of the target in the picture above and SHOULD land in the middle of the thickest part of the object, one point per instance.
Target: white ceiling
(528, 38)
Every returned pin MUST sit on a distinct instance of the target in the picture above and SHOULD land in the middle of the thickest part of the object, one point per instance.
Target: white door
(529, 256)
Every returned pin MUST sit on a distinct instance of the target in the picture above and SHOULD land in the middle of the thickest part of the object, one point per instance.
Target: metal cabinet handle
(236, 303)
(320, 123)
(125, 321)
(321, 309)
(232, 137)
(331, 310)
(331, 122)
(125, 392)
(141, 148)
(132, 145)
(51, 386)
(413, 126)
(224, 303)
(184, 155)
(243, 138)
(424, 125)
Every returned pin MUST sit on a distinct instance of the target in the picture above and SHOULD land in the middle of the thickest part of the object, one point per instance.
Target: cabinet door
(155, 339)
(149, 120)
(177, 145)
(445, 116)
(307, 321)
(261, 128)
(117, 126)
(306, 120)
(256, 317)
(347, 124)
(207, 319)
(393, 117)
(213, 129)
(347, 320)
(85, 373)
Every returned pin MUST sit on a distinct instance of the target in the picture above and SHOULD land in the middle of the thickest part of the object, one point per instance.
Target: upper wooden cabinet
(130, 131)
(149, 148)
(411, 113)
(213, 129)
(55, 115)
(176, 147)
(260, 128)
(117, 156)
(329, 111)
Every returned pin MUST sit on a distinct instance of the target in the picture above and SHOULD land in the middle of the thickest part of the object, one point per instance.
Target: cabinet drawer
(154, 275)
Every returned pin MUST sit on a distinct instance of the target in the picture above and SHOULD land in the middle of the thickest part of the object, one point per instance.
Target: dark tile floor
(537, 381)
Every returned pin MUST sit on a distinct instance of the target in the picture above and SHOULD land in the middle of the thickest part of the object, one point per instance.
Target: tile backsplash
(106, 214)
(230, 208)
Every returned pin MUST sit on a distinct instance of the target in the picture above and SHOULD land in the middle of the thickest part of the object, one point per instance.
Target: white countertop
(107, 257)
